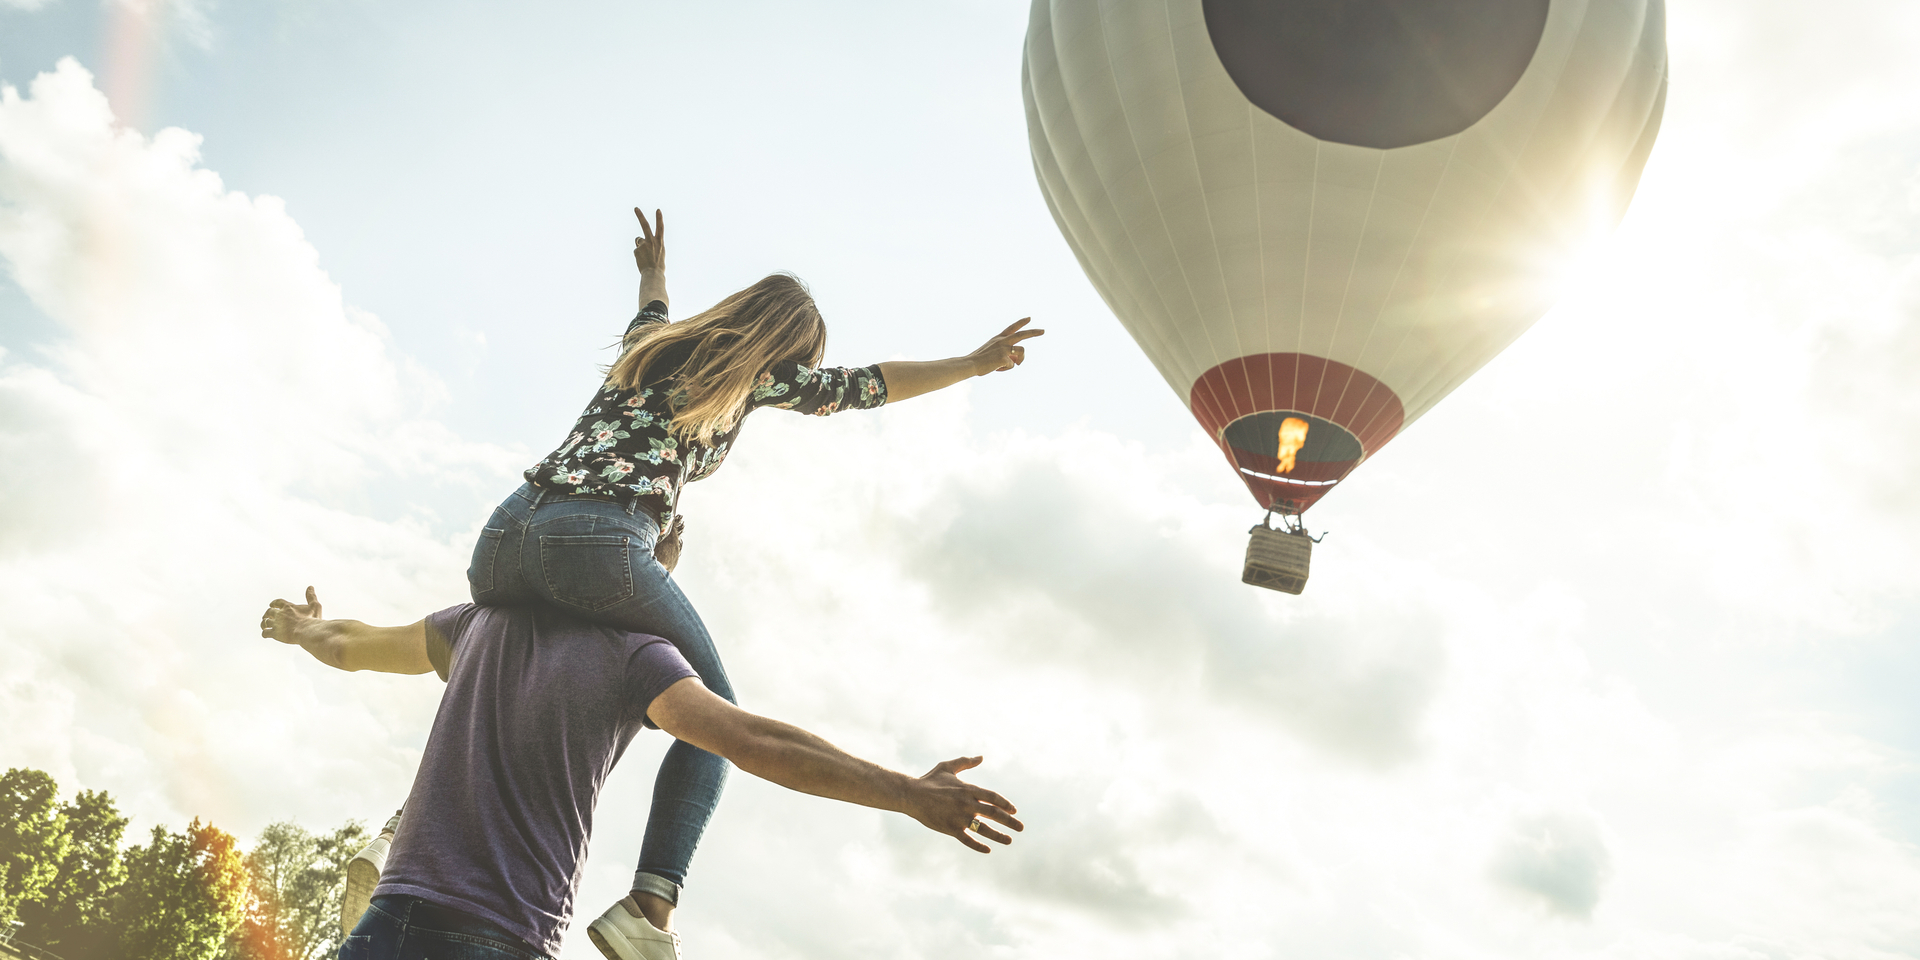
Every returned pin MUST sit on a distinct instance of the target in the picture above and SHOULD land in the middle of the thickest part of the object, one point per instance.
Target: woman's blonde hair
(734, 342)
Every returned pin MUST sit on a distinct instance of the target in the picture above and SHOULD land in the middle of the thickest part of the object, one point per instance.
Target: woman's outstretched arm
(911, 378)
(650, 255)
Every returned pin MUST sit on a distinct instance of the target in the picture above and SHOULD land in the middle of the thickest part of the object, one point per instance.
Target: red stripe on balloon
(1327, 389)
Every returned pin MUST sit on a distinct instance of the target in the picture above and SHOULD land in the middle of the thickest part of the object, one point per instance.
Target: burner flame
(1293, 436)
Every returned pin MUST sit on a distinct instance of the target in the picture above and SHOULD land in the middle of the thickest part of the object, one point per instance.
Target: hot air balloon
(1318, 217)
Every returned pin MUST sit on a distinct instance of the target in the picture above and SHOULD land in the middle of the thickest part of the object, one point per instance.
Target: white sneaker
(363, 874)
(622, 936)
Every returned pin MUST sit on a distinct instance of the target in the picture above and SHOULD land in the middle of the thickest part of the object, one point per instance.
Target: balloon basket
(1277, 559)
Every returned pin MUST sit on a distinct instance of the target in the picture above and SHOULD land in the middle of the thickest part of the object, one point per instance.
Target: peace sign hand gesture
(1004, 351)
(650, 248)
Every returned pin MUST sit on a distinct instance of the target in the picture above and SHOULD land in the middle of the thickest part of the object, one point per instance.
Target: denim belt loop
(539, 494)
(632, 504)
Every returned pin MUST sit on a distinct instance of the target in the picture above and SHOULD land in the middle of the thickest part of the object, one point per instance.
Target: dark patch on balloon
(1259, 436)
(1376, 73)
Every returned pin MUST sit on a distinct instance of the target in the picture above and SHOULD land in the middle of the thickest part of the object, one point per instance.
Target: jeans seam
(430, 933)
(410, 929)
(685, 609)
(390, 916)
(483, 574)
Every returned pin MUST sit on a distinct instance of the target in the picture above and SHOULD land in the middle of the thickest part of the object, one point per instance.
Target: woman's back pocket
(588, 572)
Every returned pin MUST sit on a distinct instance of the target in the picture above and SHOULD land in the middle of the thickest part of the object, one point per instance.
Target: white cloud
(180, 458)
(1557, 857)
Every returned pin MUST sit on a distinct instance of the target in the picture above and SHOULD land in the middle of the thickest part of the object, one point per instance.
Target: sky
(1611, 655)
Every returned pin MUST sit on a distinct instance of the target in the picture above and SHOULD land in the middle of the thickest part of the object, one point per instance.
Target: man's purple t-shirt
(538, 708)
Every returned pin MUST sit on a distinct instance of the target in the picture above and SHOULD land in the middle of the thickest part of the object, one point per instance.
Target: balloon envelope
(1330, 213)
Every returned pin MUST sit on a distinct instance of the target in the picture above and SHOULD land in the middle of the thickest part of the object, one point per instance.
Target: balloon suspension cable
(1290, 521)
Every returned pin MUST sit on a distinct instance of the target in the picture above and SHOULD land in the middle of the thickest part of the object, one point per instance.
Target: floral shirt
(623, 446)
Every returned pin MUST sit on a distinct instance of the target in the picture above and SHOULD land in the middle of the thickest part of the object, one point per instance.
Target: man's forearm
(326, 640)
(347, 644)
(798, 760)
(352, 646)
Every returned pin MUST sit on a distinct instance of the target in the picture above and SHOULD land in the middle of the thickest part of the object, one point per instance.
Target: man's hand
(1004, 351)
(944, 803)
(346, 644)
(650, 248)
(667, 548)
(295, 623)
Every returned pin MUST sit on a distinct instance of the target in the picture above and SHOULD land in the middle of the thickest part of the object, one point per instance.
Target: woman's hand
(650, 248)
(1004, 351)
(650, 255)
(911, 378)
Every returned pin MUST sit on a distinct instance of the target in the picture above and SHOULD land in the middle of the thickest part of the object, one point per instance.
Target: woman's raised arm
(911, 378)
(650, 255)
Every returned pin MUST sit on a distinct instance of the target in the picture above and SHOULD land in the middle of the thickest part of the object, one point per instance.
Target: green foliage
(32, 839)
(298, 878)
(186, 894)
(180, 896)
(71, 916)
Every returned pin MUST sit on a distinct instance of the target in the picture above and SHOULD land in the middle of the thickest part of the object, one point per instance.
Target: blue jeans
(593, 558)
(398, 927)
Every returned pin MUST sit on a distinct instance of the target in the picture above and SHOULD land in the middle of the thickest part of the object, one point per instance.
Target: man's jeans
(593, 558)
(397, 927)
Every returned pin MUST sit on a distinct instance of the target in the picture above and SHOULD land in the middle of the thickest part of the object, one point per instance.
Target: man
(656, 895)
(538, 708)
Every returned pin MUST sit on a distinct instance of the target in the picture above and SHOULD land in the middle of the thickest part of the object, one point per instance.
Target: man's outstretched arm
(347, 644)
(798, 760)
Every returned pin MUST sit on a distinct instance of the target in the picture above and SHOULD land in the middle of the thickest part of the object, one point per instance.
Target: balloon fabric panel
(1268, 270)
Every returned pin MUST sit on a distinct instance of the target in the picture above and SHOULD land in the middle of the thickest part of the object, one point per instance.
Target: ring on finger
(977, 826)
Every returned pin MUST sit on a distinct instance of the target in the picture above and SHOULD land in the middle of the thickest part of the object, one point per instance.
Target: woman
(581, 532)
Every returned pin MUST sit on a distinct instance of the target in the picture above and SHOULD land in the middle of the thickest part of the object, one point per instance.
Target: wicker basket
(1277, 559)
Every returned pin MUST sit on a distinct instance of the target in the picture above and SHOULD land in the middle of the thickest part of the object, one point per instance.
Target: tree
(182, 896)
(71, 916)
(185, 895)
(32, 839)
(298, 878)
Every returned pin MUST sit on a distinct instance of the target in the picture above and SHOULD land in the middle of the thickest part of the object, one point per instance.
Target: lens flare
(136, 30)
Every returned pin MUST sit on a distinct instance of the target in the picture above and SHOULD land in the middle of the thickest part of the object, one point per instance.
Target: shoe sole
(363, 875)
(600, 943)
(607, 949)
